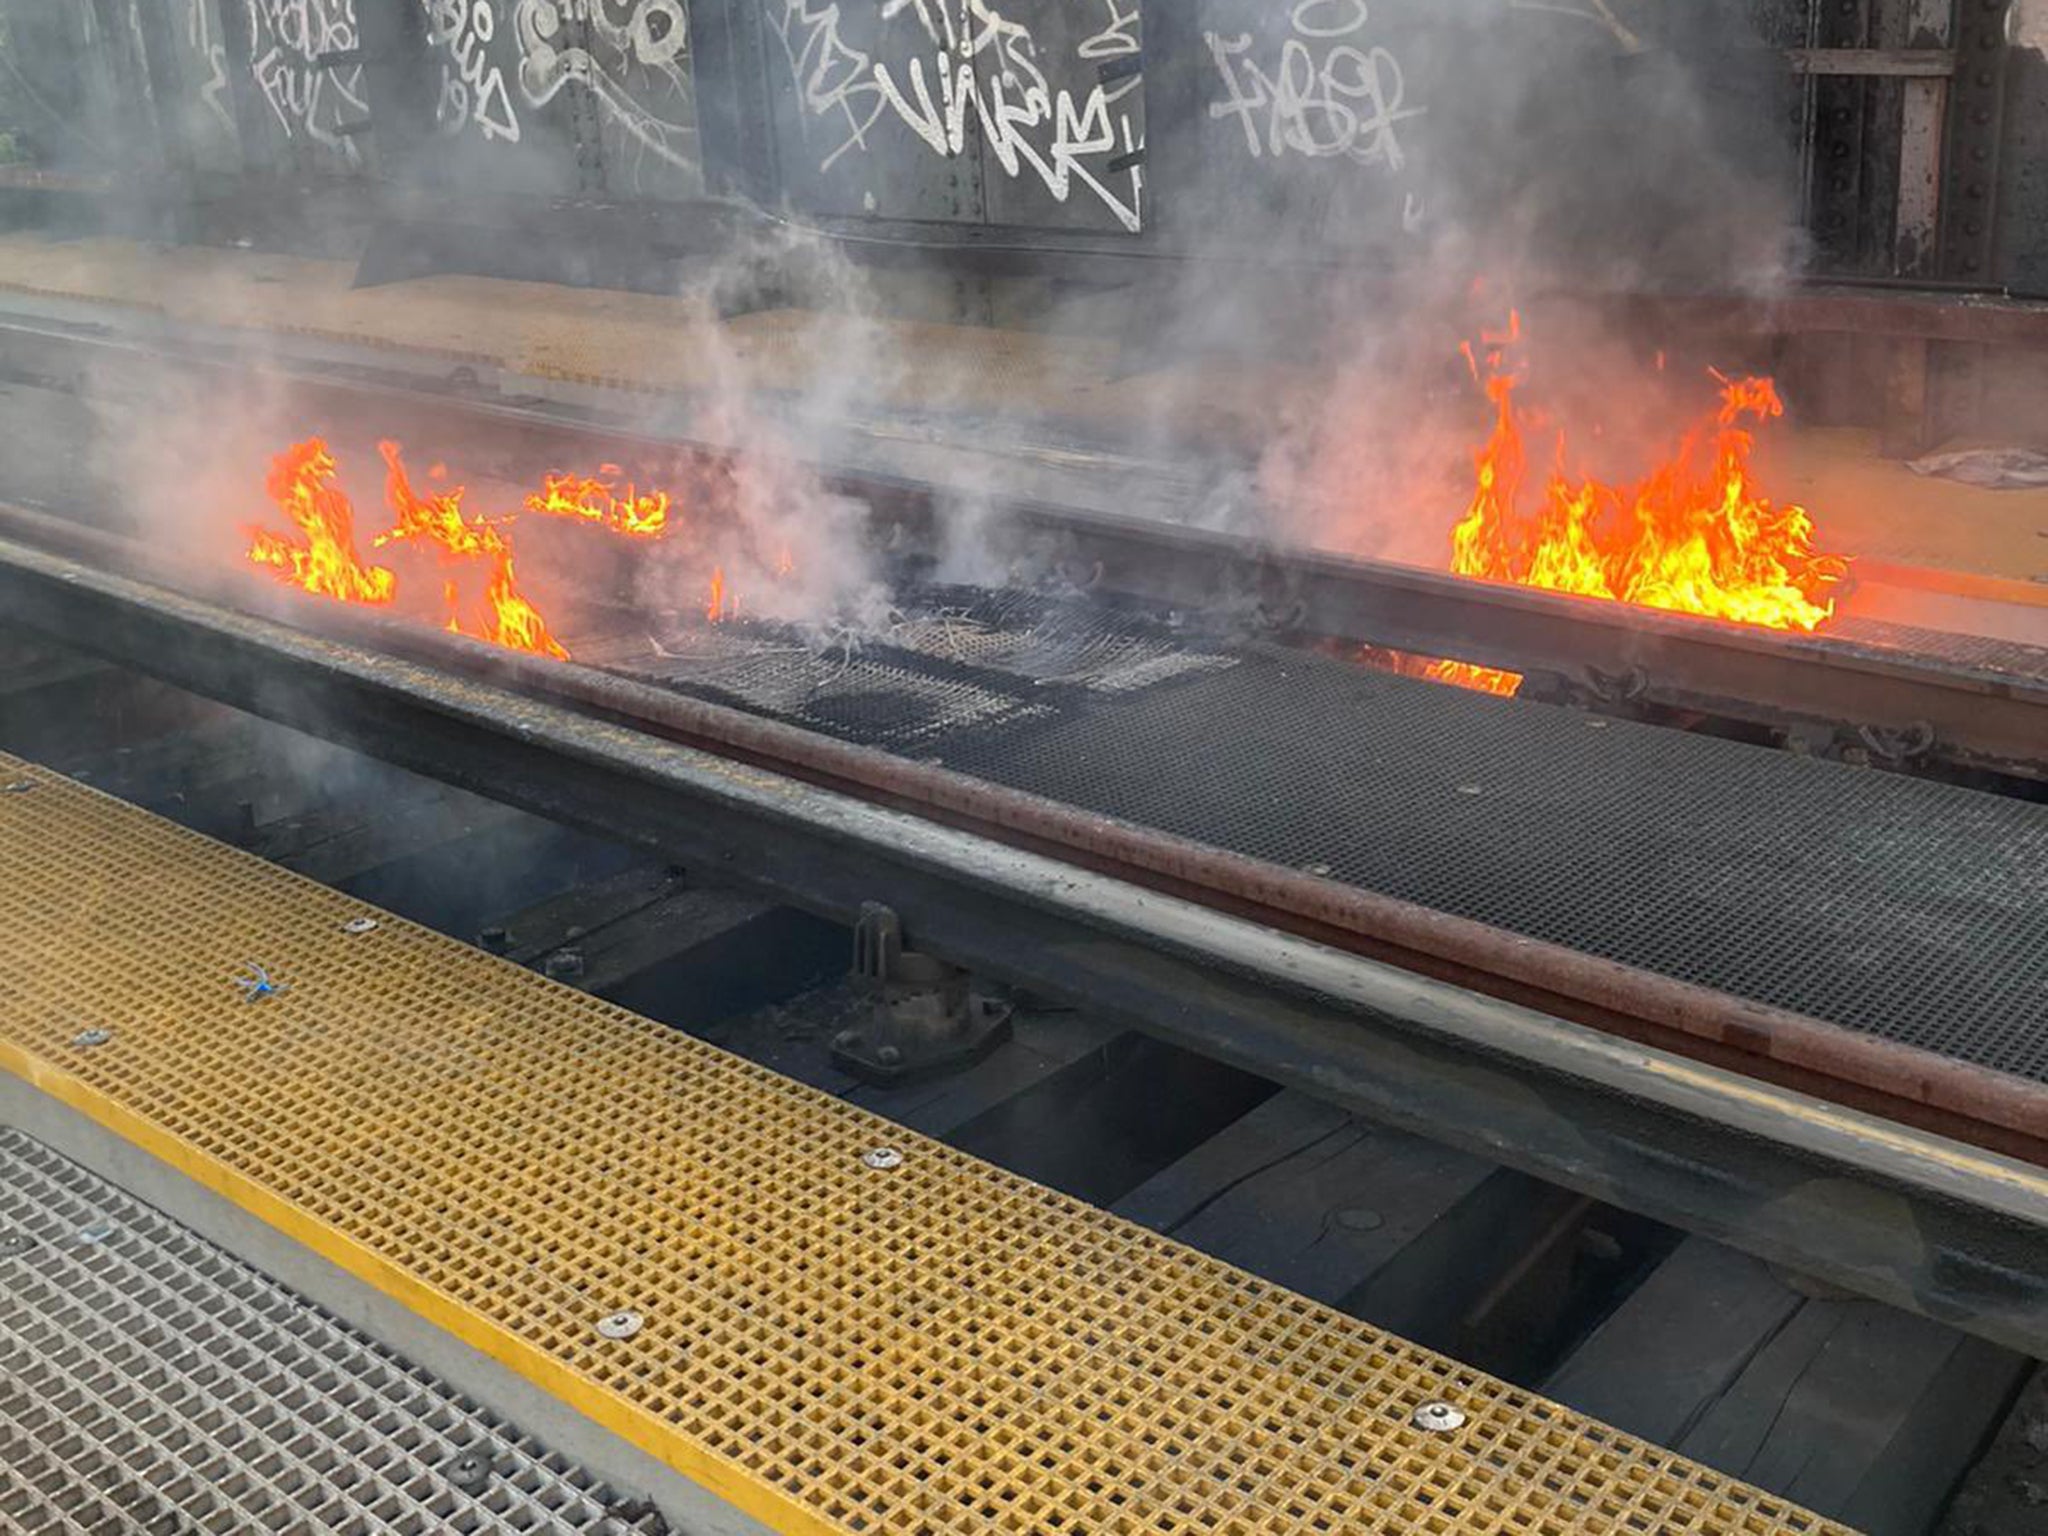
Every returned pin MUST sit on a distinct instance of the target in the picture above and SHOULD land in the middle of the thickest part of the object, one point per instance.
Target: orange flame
(323, 559)
(599, 499)
(1695, 536)
(479, 593)
(498, 611)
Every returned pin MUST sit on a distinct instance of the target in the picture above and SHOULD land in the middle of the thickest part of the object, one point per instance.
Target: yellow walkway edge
(828, 1322)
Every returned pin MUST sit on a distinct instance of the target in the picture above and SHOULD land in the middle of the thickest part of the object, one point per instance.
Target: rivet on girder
(86, 1039)
(20, 786)
(1438, 1418)
(13, 1244)
(360, 925)
(882, 1159)
(620, 1325)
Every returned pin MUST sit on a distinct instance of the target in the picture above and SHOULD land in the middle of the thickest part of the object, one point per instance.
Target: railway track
(1256, 1037)
(1186, 945)
(1908, 698)
(1658, 1332)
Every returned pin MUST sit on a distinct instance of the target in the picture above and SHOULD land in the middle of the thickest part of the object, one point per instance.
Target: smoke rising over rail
(1364, 187)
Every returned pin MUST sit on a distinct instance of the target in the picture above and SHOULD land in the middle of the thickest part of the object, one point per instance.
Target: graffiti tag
(968, 65)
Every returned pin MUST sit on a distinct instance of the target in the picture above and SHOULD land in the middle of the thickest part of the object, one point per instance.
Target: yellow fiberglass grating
(931, 1347)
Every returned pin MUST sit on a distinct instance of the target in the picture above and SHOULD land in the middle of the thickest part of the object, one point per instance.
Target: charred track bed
(1709, 1350)
(1909, 700)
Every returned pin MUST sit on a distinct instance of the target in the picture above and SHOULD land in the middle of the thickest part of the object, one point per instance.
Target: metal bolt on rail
(1438, 1418)
(920, 1016)
(359, 925)
(20, 786)
(620, 1325)
(882, 1159)
(15, 1243)
(86, 1039)
(97, 1232)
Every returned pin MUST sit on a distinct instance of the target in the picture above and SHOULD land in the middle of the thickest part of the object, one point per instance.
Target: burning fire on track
(1695, 535)
(472, 588)
(323, 558)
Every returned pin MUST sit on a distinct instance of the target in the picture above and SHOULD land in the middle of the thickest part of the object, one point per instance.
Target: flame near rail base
(472, 588)
(1693, 536)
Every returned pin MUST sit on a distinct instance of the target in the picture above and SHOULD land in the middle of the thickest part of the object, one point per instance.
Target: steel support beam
(1900, 1215)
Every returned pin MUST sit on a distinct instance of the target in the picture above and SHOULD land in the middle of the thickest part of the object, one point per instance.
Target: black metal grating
(951, 659)
(1902, 908)
(1906, 909)
(149, 1382)
(1979, 653)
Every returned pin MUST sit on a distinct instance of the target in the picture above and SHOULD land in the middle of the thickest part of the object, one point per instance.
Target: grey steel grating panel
(950, 658)
(1982, 653)
(1907, 909)
(149, 1382)
(1910, 910)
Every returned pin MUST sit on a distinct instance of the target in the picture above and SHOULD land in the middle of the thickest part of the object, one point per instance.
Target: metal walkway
(150, 1382)
(833, 1324)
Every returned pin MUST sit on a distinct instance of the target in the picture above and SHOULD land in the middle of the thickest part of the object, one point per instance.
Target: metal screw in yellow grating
(830, 1340)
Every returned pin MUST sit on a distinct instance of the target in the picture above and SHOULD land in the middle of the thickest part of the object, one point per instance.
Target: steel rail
(1990, 718)
(1890, 1211)
(1905, 1084)
(1970, 714)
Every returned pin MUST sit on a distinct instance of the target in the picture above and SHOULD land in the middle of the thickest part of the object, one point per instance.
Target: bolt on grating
(940, 1347)
(152, 1382)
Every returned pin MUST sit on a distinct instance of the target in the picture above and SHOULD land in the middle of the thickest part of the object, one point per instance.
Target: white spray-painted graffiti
(983, 63)
(472, 87)
(644, 42)
(310, 99)
(632, 55)
(213, 54)
(1598, 12)
(1334, 93)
